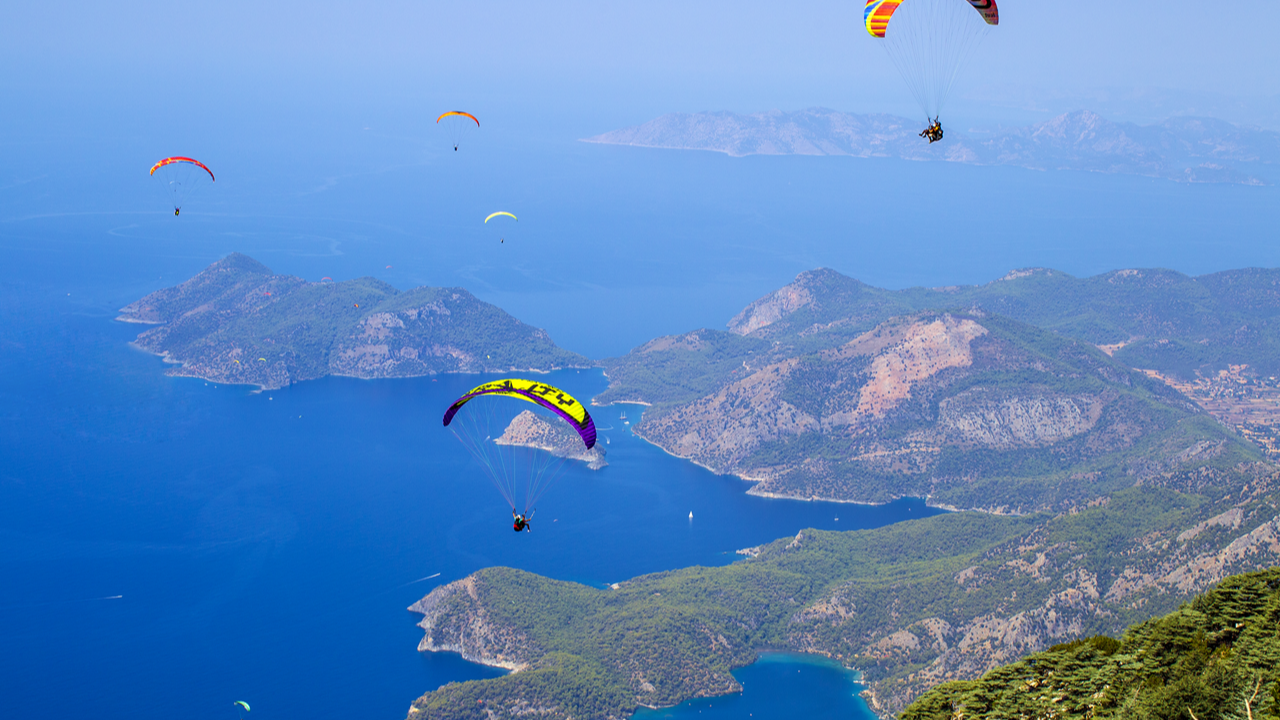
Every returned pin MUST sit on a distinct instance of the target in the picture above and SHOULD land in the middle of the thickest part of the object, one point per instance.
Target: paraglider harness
(520, 522)
(933, 133)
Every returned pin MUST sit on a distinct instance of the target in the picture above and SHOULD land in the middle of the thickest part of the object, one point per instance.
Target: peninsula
(1099, 422)
(237, 322)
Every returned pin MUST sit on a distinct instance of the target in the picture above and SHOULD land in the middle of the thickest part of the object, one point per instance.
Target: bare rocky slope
(832, 389)
(1183, 149)
(529, 430)
(237, 322)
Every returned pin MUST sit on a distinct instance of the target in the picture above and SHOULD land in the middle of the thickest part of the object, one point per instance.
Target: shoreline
(167, 357)
(779, 496)
(138, 321)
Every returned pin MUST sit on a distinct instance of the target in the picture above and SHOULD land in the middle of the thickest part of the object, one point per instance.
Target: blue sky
(627, 61)
(318, 117)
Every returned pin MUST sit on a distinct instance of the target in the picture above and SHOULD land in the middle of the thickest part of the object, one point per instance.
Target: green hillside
(1215, 658)
(908, 605)
(237, 322)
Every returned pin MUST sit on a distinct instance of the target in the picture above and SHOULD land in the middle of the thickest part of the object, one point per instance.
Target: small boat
(623, 416)
(690, 514)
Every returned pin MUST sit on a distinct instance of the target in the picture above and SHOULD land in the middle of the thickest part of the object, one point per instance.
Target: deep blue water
(266, 545)
(779, 686)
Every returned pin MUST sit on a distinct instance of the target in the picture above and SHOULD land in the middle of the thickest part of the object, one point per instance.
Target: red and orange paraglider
(179, 176)
(457, 122)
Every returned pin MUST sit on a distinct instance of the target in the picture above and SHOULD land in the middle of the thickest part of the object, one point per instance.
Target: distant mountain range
(237, 322)
(1183, 149)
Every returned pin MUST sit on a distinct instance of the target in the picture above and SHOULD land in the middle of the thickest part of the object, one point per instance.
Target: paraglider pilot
(933, 133)
(520, 522)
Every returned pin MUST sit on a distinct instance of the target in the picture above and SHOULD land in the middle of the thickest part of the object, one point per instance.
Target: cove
(779, 686)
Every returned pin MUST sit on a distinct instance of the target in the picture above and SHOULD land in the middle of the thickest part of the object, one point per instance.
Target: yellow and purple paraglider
(486, 425)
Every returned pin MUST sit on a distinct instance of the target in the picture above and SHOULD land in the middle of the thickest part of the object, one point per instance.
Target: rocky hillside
(237, 322)
(911, 605)
(1032, 390)
(1148, 318)
(1183, 149)
(529, 430)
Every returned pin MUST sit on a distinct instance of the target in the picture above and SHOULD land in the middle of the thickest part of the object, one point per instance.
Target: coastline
(138, 321)
(424, 646)
(755, 483)
(169, 359)
(611, 403)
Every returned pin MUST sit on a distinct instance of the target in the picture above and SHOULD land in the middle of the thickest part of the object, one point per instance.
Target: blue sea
(169, 546)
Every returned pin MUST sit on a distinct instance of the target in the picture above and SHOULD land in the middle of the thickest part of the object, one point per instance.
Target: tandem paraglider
(929, 42)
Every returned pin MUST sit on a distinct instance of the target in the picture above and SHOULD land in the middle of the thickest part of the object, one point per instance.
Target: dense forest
(1215, 658)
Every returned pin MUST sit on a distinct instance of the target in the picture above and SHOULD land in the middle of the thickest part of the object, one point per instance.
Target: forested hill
(237, 322)
(1182, 149)
(911, 605)
(1215, 658)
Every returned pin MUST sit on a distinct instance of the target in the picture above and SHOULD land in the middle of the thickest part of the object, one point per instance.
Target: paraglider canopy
(180, 159)
(494, 215)
(549, 397)
(242, 704)
(878, 12)
(458, 113)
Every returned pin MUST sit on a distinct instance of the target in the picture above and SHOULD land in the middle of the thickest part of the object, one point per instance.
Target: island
(1090, 433)
(237, 322)
(1181, 149)
(529, 430)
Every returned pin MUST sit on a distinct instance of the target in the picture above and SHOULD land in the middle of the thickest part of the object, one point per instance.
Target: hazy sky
(635, 59)
(319, 110)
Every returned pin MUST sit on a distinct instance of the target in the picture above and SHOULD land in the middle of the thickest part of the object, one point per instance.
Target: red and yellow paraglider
(179, 176)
